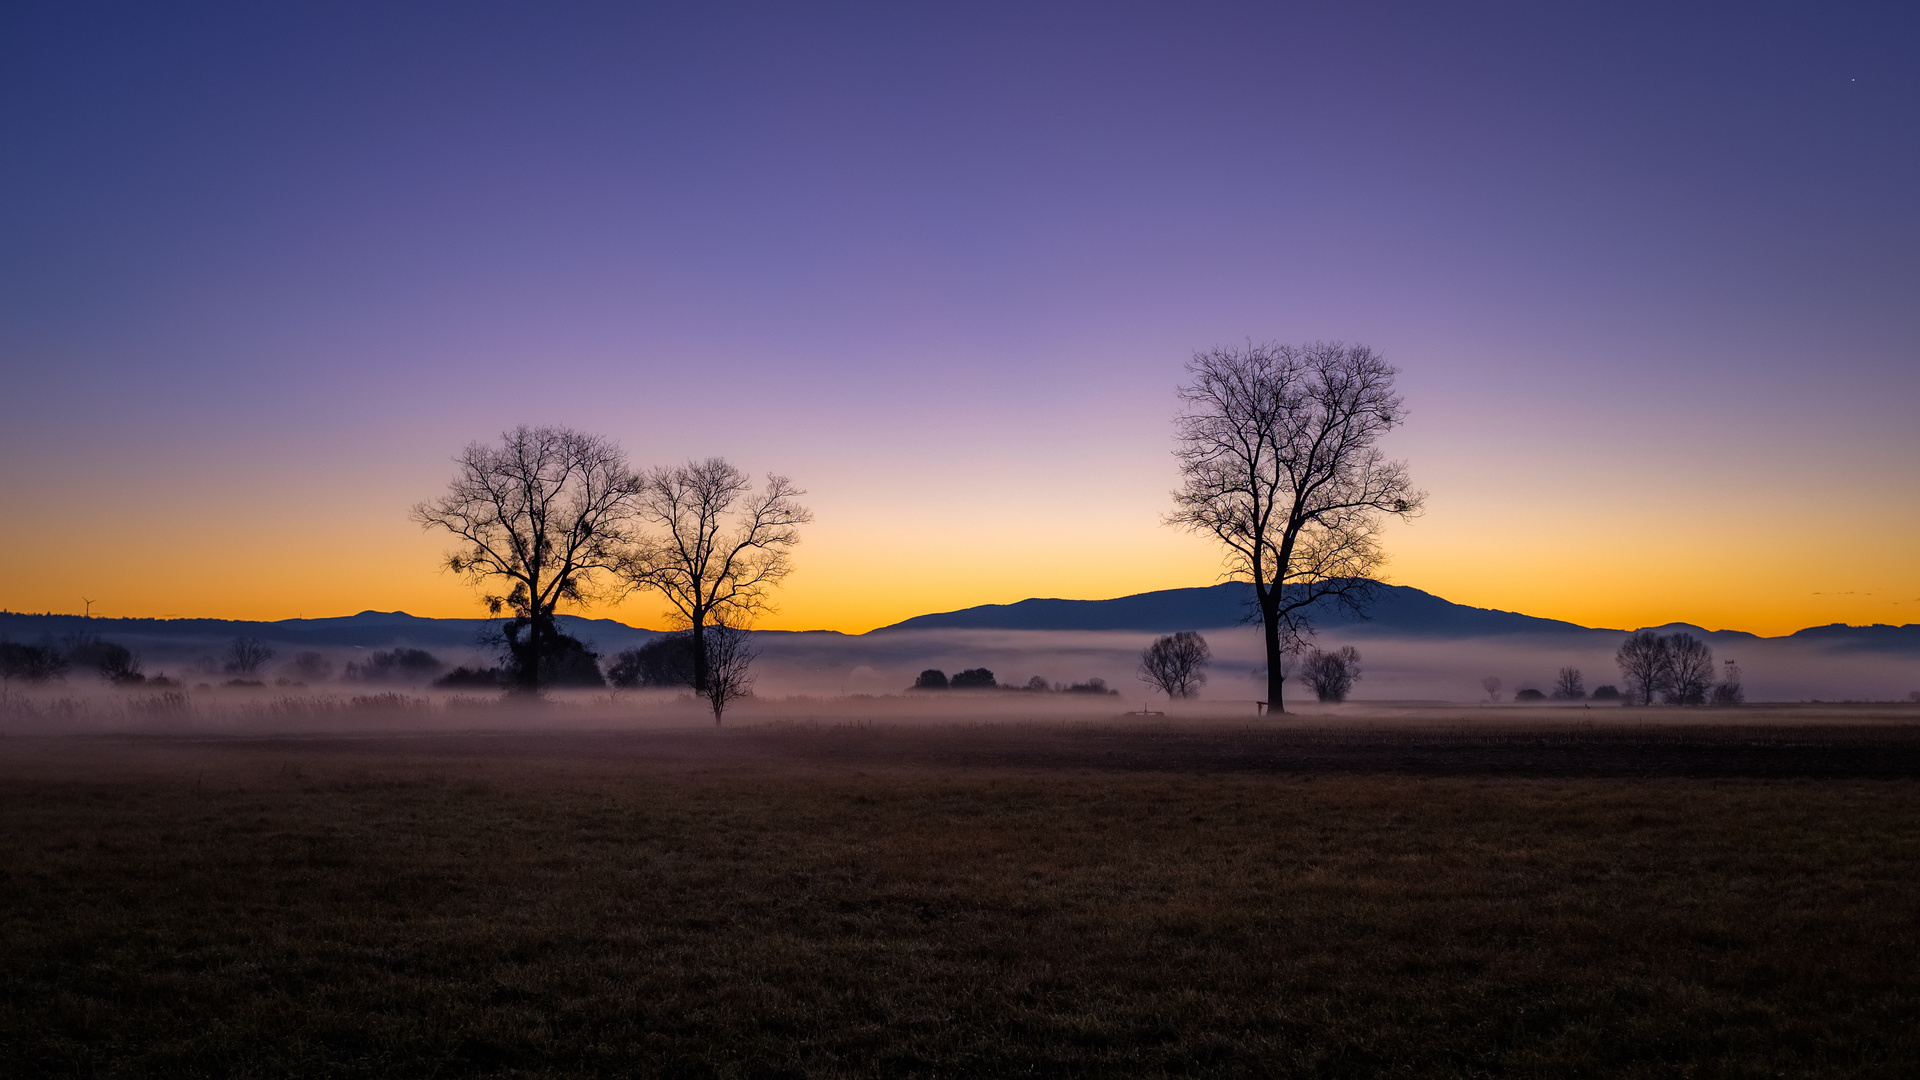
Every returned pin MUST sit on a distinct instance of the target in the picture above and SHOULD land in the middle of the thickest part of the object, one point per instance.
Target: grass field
(874, 902)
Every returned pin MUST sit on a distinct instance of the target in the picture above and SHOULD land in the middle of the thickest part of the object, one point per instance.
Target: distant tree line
(1677, 669)
(79, 653)
(983, 679)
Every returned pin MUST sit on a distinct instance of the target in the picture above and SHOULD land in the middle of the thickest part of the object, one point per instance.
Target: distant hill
(1396, 609)
(368, 629)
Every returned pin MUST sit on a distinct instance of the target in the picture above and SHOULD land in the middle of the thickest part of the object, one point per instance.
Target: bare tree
(1176, 664)
(1279, 457)
(246, 654)
(729, 653)
(541, 514)
(1569, 685)
(714, 547)
(1332, 674)
(1646, 663)
(1492, 686)
(1729, 691)
(1689, 670)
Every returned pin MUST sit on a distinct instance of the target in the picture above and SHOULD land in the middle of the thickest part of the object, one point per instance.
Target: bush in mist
(1332, 674)
(563, 659)
(31, 663)
(930, 679)
(1569, 685)
(467, 678)
(394, 665)
(978, 678)
(1606, 692)
(110, 660)
(1038, 684)
(666, 661)
(1091, 686)
(1529, 694)
(1176, 664)
(311, 667)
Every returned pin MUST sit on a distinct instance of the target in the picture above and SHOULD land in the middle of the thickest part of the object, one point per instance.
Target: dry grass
(413, 907)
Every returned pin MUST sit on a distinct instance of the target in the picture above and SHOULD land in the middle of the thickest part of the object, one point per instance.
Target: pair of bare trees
(1280, 461)
(1677, 667)
(553, 516)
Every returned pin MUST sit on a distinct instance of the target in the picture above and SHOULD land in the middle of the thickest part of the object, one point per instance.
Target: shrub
(1091, 686)
(466, 678)
(1332, 674)
(1176, 664)
(1529, 694)
(394, 665)
(973, 679)
(31, 663)
(930, 679)
(1608, 692)
(665, 661)
(312, 667)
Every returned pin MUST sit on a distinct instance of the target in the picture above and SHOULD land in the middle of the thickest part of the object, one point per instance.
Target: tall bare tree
(1646, 662)
(538, 517)
(713, 547)
(1279, 457)
(1689, 670)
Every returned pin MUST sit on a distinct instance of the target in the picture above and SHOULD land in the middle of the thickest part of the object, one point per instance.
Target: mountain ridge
(1398, 610)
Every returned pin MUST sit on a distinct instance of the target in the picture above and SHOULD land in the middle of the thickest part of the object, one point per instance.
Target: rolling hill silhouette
(1397, 610)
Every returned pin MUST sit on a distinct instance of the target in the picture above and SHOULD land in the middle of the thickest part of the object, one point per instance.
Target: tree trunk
(530, 660)
(1270, 622)
(700, 654)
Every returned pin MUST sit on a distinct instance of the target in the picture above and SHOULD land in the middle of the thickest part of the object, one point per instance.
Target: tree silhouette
(1569, 685)
(1176, 664)
(245, 655)
(1279, 459)
(714, 547)
(1689, 670)
(1332, 674)
(729, 653)
(542, 513)
(1646, 661)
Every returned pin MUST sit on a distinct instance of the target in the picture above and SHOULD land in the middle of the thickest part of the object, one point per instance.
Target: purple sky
(1651, 273)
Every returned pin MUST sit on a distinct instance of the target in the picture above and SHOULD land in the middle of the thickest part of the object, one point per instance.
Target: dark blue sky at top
(263, 225)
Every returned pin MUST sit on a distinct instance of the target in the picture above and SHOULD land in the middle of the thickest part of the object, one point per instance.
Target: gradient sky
(1652, 273)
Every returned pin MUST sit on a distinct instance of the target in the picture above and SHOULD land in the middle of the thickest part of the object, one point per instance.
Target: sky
(1650, 273)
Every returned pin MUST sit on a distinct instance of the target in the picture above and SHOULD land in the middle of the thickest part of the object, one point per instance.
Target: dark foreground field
(965, 901)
